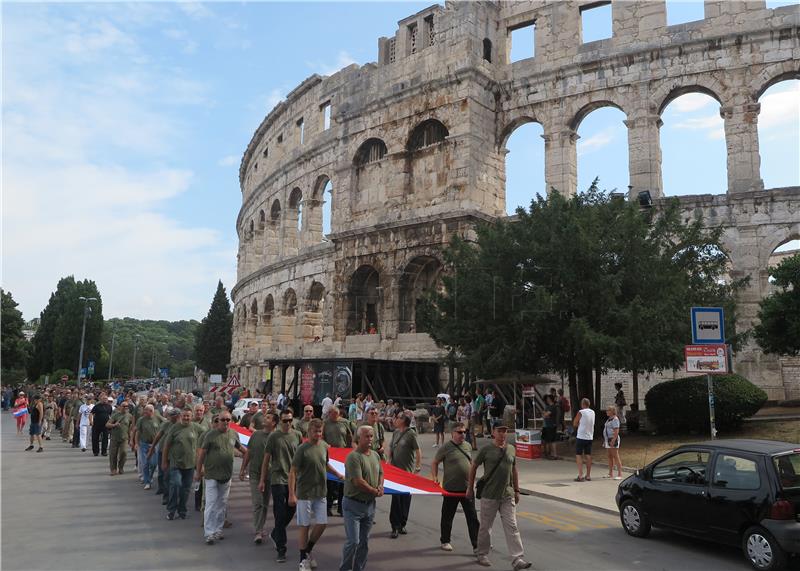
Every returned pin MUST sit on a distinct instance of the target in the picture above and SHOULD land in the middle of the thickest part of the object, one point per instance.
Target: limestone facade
(405, 152)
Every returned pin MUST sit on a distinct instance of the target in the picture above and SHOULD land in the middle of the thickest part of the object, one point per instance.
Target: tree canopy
(779, 313)
(15, 348)
(214, 335)
(579, 285)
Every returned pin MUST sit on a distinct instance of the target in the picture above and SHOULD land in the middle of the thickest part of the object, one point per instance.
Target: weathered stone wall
(441, 102)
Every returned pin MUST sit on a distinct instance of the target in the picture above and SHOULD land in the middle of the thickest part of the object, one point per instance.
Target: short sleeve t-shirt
(455, 461)
(404, 446)
(120, 433)
(366, 466)
(218, 463)
(182, 440)
(500, 486)
(255, 453)
(611, 425)
(439, 412)
(281, 447)
(337, 434)
(310, 463)
(147, 428)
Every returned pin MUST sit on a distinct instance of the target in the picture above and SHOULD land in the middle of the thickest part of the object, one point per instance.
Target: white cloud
(692, 102)
(713, 126)
(343, 59)
(89, 179)
(780, 109)
(229, 161)
(595, 142)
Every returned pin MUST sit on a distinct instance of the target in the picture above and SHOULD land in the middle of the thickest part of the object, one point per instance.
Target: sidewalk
(552, 479)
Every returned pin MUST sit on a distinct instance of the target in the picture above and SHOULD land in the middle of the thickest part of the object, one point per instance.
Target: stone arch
(294, 222)
(523, 177)
(313, 318)
(289, 302)
(275, 212)
(318, 213)
(777, 238)
(427, 133)
(272, 233)
(268, 309)
(420, 275)
(254, 309)
(671, 92)
(372, 150)
(262, 219)
(588, 108)
(771, 75)
(364, 300)
(777, 112)
(610, 162)
(513, 125)
(316, 297)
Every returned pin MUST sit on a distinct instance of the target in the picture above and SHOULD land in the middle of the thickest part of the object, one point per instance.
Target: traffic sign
(708, 325)
(710, 359)
(91, 368)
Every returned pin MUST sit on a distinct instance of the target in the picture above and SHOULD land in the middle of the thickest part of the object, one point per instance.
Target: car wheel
(761, 550)
(634, 520)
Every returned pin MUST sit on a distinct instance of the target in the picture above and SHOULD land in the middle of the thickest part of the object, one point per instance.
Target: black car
(739, 492)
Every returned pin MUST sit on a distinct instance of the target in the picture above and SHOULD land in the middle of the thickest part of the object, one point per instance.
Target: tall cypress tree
(67, 340)
(14, 346)
(42, 360)
(214, 336)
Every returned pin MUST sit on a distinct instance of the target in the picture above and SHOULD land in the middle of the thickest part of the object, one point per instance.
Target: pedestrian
(565, 406)
(478, 412)
(120, 424)
(584, 423)
(338, 434)
(99, 417)
(327, 403)
(301, 425)
(36, 410)
(549, 430)
(438, 419)
(84, 422)
(307, 491)
(50, 413)
(21, 411)
(363, 483)
(163, 488)
(487, 417)
(278, 454)
(498, 492)
(378, 432)
(252, 410)
(620, 403)
(404, 453)
(611, 441)
(215, 465)
(202, 424)
(251, 466)
(177, 460)
(144, 434)
(74, 418)
(455, 457)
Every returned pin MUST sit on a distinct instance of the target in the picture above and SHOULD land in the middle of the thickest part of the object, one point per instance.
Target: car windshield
(788, 467)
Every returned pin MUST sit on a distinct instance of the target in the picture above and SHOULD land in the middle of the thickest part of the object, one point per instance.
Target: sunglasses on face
(286, 420)
(460, 431)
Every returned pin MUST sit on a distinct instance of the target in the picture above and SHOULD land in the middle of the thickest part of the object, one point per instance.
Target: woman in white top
(611, 442)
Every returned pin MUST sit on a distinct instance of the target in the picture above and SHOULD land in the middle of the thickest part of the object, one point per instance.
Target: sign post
(708, 353)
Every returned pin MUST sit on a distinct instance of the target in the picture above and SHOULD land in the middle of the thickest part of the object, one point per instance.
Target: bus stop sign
(708, 326)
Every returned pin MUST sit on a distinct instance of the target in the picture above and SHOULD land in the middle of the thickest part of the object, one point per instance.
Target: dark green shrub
(682, 405)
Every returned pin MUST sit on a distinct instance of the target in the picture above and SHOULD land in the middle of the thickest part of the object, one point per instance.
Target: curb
(600, 509)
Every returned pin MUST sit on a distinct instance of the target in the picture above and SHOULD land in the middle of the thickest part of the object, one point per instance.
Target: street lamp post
(86, 311)
(135, 347)
(111, 357)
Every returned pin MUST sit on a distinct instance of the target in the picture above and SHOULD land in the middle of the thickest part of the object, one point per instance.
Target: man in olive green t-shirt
(278, 454)
(363, 483)
(301, 424)
(215, 463)
(404, 452)
(251, 465)
(337, 433)
(146, 429)
(455, 457)
(120, 424)
(177, 461)
(307, 490)
(500, 494)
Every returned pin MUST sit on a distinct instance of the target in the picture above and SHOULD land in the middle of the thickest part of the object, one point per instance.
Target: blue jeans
(357, 523)
(180, 482)
(283, 513)
(148, 467)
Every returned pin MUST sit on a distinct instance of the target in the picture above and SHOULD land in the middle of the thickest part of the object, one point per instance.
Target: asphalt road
(61, 510)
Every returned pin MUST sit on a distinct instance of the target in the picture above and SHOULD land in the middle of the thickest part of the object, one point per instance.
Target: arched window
(296, 205)
(420, 277)
(289, 302)
(524, 153)
(262, 220)
(254, 311)
(779, 134)
(602, 148)
(320, 216)
(370, 151)
(275, 213)
(364, 297)
(269, 309)
(487, 49)
(315, 297)
(427, 133)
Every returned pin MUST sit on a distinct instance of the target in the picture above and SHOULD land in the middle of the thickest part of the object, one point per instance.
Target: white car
(241, 408)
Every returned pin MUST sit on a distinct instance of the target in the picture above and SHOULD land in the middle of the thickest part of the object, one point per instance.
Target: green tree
(779, 313)
(67, 341)
(15, 348)
(41, 361)
(213, 338)
(577, 286)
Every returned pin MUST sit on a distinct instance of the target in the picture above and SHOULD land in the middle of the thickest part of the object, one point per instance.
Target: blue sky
(124, 125)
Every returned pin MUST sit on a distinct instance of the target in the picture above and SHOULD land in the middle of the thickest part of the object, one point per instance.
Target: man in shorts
(37, 416)
(308, 491)
(584, 423)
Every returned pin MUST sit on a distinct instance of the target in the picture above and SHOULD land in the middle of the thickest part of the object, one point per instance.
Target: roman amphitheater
(394, 157)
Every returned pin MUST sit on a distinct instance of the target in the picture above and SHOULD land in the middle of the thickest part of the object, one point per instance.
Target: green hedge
(682, 405)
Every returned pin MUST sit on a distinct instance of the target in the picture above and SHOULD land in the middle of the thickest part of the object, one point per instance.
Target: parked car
(241, 408)
(738, 492)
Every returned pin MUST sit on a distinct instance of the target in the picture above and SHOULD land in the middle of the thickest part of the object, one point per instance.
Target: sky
(124, 125)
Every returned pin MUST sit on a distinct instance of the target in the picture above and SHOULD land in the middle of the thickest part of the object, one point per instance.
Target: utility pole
(135, 347)
(86, 311)
(111, 357)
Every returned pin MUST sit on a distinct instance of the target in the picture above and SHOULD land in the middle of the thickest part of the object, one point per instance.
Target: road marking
(574, 521)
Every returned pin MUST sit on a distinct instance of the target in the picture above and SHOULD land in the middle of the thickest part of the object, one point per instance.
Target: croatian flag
(22, 411)
(395, 480)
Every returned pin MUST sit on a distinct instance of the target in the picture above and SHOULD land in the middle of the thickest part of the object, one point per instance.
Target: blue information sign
(708, 325)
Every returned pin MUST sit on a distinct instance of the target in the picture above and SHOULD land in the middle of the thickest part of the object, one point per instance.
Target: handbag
(481, 483)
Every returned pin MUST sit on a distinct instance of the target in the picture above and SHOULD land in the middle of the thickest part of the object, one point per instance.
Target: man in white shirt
(327, 404)
(584, 423)
(84, 424)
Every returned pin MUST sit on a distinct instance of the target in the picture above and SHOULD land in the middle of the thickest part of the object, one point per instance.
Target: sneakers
(258, 538)
(394, 534)
(447, 547)
(219, 535)
(305, 565)
(484, 561)
(147, 486)
(311, 561)
(40, 449)
(520, 563)
(83, 449)
(170, 516)
(435, 446)
(210, 540)
(403, 531)
(281, 558)
(29, 448)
